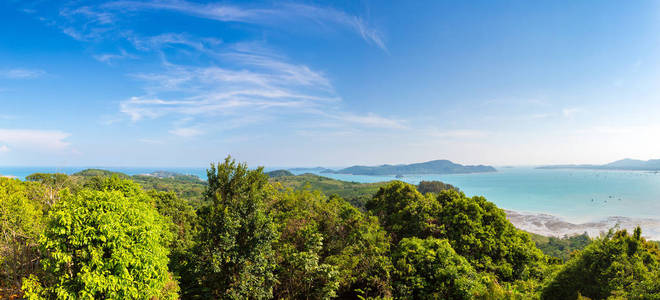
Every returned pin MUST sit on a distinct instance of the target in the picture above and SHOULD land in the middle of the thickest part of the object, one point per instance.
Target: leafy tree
(359, 247)
(53, 184)
(617, 264)
(234, 253)
(351, 243)
(182, 222)
(118, 183)
(474, 227)
(478, 230)
(561, 248)
(434, 186)
(300, 271)
(21, 222)
(103, 244)
(430, 269)
(404, 212)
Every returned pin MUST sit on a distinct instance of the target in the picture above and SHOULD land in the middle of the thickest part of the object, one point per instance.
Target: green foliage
(21, 222)
(352, 243)
(52, 184)
(617, 264)
(300, 272)
(107, 244)
(354, 192)
(234, 253)
(404, 212)
(186, 187)
(99, 173)
(434, 187)
(474, 227)
(247, 236)
(430, 269)
(182, 222)
(561, 248)
(479, 231)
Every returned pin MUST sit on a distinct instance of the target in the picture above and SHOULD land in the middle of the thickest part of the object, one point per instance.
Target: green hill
(279, 173)
(430, 167)
(355, 192)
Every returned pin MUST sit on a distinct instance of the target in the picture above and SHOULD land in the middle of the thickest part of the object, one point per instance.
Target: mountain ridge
(627, 164)
(440, 166)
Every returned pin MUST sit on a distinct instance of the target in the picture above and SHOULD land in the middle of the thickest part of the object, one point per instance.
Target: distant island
(623, 164)
(442, 166)
(279, 173)
(308, 170)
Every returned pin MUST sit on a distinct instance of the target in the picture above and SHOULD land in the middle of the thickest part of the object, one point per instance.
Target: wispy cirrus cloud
(20, 73)
(213, 81)
(371, 120)
(269, 84)
(283, 13)
(110, 58)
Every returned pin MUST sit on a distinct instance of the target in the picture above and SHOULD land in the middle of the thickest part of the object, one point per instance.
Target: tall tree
(404, 212)
(234, 248)
(21, 222)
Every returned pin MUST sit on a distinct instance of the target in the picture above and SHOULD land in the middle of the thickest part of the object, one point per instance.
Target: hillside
(429, 167)
(188, 187)
(623, 164)
(354, 192)
(279, 173)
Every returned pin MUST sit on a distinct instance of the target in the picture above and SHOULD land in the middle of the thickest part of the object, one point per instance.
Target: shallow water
(575, 195)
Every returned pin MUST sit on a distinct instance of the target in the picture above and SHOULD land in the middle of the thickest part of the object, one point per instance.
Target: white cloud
(21, 73)
(284, 13)
(236, 84)
(34, 139)
(186, 132)
(261, 85)
(372, 120)
(109, 58)
(4, 149)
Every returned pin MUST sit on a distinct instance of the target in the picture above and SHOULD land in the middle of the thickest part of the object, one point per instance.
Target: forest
(243, 234)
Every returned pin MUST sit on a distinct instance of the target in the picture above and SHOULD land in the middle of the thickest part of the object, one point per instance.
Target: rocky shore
(550, 225)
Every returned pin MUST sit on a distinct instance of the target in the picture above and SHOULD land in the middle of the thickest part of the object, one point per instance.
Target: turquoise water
(574, 195)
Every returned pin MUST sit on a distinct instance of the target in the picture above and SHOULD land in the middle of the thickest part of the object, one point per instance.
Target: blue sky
(184, 83)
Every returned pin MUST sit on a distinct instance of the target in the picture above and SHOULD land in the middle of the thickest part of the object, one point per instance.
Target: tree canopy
(244, 235)
(103, 244)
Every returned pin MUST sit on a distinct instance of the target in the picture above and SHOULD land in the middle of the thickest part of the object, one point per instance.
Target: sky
(183, 83)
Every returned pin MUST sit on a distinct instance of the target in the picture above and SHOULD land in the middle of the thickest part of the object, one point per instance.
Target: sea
(574, 196)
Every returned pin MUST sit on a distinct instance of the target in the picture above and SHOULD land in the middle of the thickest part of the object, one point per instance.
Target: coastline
(550, 225)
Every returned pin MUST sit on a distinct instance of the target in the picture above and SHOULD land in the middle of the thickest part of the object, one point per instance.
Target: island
(623, 164)
(442, 166)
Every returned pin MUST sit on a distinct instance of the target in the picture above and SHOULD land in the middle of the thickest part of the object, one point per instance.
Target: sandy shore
(550, 225)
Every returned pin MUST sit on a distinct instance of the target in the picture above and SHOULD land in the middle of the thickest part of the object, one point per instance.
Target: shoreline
(550, 225)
